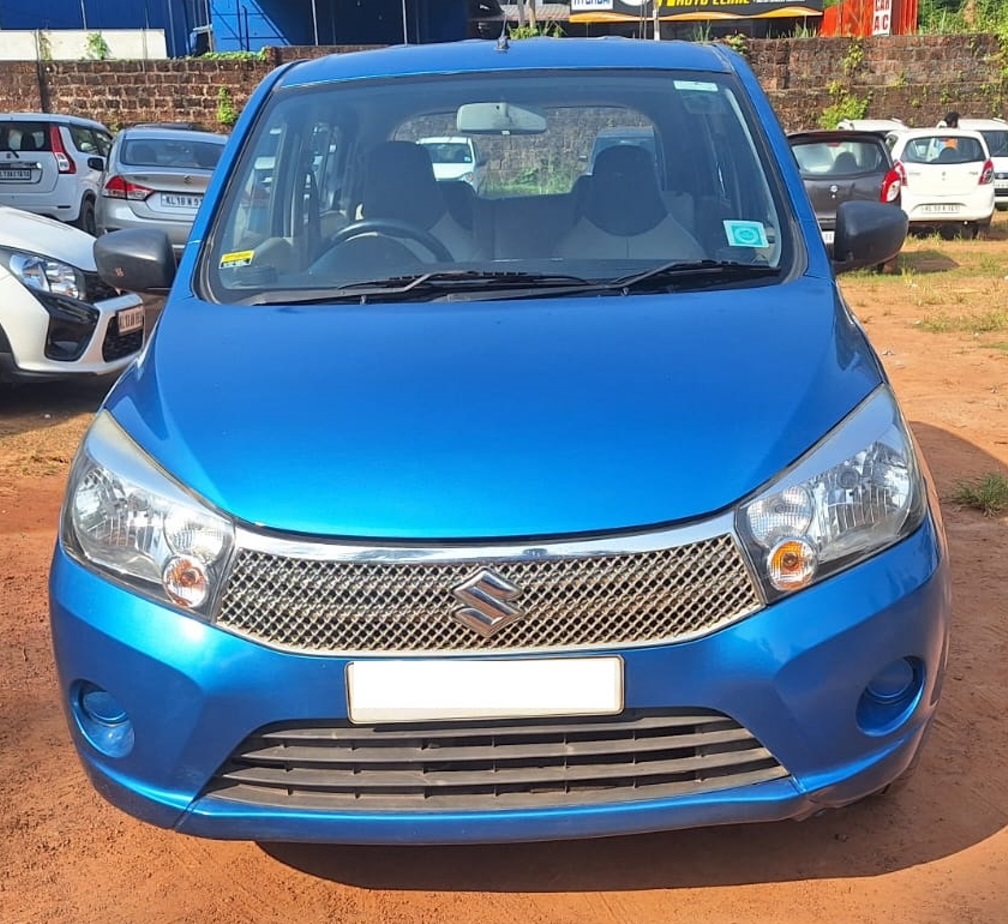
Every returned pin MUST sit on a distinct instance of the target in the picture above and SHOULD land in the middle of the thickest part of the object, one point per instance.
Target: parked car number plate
(415, 690)
(15, 174)
(178, 201)
(1001, 184)
(949, 208)
(827, 237)
(130, 319)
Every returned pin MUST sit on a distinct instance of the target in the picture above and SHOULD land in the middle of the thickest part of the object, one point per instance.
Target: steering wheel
(387, 227)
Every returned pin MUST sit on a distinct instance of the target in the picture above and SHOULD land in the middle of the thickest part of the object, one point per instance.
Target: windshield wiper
(431, 285)
(693, 272)
(515, 284)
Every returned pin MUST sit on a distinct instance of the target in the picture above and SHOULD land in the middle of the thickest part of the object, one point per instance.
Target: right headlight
(856, 492)
(124, 516)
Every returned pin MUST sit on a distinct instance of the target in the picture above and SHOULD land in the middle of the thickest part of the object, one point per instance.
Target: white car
(57, 318)
(456, 158)
(52, 165)
(881, 127)
(995, 133)
(947, 176)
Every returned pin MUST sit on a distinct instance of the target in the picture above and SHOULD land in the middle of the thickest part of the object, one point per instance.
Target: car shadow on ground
(952, 803)
(925, 261)
(37, 405)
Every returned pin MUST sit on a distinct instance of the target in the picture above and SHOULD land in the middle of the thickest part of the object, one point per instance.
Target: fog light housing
(891, 696)
(102, 720)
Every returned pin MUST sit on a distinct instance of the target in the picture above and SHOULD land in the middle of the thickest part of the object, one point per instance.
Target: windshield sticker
(746, 234)
(238, 258)
(703, 86)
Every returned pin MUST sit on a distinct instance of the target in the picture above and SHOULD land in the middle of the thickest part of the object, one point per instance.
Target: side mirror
(136, 259)
(96, 163)
(867, 234)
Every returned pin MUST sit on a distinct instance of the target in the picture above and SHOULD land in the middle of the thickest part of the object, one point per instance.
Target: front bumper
(792, 674)
(25, 326)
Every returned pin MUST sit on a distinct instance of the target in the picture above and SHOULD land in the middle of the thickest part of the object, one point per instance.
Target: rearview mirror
(136, 259)
(499, 119)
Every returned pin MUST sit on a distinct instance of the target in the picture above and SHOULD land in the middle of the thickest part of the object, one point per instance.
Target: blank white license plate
(951, 208)
(424, 690)
(130, 319)
(178, 201)
(827, 237)
(21, 175)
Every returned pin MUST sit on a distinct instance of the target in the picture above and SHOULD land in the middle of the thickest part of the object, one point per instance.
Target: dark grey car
(843, 165)
(155, 178)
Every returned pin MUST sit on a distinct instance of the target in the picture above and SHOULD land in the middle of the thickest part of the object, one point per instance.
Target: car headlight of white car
(44, 274)
(126, 517)
(857, 492)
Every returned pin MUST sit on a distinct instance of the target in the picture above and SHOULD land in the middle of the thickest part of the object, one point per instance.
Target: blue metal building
(192, 26)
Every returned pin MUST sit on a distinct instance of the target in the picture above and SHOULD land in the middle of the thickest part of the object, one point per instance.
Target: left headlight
(855, 493)
(44, 274)
(126, 517)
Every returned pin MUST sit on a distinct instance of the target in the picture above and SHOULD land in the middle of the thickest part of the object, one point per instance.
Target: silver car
(156, 177)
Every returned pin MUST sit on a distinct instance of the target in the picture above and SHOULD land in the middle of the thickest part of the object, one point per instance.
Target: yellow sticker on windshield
(238, 258)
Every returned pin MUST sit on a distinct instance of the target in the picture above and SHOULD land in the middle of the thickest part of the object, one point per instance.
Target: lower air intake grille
(484, 766)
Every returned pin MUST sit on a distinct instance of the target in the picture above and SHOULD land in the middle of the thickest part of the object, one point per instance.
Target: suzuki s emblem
(488, 610)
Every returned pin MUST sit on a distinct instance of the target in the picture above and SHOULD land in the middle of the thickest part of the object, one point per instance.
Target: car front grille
(116, 345)
(638, 756)
(593, 601)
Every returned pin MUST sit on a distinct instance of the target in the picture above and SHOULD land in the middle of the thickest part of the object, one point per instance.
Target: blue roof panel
(480, 56)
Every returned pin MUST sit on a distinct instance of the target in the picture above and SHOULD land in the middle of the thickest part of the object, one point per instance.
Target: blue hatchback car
(577, 506)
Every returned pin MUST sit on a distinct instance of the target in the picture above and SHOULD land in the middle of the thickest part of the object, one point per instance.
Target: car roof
(171, 134)
(984, 123)
(835, 134)
(478, 56)
(50, 117)
(911, 133)
(871, 124)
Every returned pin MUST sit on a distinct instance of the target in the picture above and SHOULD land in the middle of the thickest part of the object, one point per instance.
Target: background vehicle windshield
(171, 152)
(840, 158)
(449, 152)
(336, 186)
(997, 142)
(943, 149)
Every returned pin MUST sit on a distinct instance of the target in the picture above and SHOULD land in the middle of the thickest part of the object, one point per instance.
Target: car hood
(493, 419)
(21, 230)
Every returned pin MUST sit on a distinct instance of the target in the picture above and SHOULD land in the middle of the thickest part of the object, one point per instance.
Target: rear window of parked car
(24, 136)
(189, 155)
(943, 149)
(840, 158)
(997, 141)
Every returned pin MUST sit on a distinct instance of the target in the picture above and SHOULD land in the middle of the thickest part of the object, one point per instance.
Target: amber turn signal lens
(791, 564)
(185, 580)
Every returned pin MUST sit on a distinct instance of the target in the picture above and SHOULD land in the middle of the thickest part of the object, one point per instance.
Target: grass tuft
(988, 494)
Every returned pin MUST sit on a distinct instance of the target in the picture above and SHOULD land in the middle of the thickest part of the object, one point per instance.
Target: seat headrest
(845, 163)
(400, 185)
(623, 196)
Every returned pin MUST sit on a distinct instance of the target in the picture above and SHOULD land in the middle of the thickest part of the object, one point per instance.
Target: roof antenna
(502, 39)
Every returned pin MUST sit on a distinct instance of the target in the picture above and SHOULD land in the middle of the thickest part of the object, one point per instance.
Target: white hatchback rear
(995, 133)
(948, 177)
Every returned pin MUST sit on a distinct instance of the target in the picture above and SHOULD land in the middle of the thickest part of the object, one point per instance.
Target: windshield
(171, 153)
(337, 185)
(943, 149)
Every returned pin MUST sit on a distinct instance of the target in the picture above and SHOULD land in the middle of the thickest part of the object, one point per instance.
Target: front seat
(623, 213)
(399, 185)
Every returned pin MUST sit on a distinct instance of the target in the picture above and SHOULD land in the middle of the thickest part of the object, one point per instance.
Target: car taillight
(119, 188)
(891, 186)
(63, 163)
(987, 174)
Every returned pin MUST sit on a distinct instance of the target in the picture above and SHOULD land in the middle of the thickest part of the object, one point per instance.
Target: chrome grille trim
(350, 599)
(638, 756)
